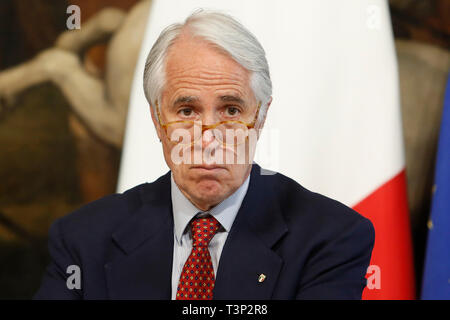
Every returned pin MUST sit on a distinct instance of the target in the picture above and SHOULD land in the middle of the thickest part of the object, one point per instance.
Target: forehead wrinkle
(217, 65)
(190, 87)
(187, 79)
(207, 77)
(211, 81)
(194, 89)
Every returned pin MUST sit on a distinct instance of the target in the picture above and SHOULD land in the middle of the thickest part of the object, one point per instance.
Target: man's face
(204, 84)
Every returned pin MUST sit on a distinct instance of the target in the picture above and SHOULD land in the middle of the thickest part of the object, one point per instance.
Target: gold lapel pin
(262, 277)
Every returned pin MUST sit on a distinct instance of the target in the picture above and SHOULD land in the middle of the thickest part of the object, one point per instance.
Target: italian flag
(334, 124)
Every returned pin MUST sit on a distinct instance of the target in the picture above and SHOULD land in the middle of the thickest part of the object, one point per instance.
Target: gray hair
(224, 32)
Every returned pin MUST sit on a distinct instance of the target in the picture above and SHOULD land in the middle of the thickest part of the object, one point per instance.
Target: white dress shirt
(184, 211)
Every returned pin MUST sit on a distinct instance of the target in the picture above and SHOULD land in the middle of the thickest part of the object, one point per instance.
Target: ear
(261, 123)
(155, 122)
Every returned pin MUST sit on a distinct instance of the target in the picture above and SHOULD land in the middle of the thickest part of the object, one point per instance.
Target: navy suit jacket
(307, 245)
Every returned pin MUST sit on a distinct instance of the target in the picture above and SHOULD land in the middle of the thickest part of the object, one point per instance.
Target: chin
(210, 191)
(208, 188)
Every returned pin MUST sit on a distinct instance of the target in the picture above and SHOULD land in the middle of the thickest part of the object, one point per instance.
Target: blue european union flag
(436, 279)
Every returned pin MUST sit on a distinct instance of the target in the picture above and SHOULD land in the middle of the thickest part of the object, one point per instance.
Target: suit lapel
(247, 253)
(142, 267)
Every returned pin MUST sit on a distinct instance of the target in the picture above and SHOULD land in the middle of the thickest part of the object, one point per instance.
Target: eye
(186, 112)
(232, 111)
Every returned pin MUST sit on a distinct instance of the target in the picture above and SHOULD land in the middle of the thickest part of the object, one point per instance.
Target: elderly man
(214, 226)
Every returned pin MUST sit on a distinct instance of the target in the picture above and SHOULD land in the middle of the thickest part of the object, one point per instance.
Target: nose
(208, 137)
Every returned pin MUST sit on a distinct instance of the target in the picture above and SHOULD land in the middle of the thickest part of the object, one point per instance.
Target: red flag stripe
(387, 208)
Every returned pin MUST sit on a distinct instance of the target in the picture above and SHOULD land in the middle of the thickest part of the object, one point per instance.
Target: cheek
(167, 151)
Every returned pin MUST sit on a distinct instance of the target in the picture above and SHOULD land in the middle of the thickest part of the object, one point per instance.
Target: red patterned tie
(197, 278)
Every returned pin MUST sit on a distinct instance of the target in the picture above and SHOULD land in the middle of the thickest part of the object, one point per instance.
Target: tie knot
(203, 230)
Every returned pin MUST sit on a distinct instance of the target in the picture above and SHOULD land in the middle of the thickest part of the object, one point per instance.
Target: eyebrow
(224, 98)
(185, 99)
(231, 98)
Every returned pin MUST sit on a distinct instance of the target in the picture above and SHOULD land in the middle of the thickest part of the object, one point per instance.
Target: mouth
(208, 167)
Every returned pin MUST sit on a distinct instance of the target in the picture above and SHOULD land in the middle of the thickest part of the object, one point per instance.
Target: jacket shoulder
(299, 204)
(102, 215)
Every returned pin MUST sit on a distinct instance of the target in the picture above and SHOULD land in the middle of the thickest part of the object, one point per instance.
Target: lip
(208, 167)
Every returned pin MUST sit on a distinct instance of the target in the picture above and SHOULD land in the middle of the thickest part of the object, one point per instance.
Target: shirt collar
(225, 212)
